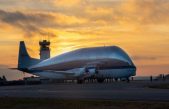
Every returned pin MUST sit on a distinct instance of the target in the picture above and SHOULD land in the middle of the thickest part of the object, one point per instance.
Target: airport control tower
(44, 49)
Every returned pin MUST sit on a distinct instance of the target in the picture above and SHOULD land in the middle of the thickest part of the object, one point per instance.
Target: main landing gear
(80, 81)
(128, 80)
(116, 79)
(100, 80)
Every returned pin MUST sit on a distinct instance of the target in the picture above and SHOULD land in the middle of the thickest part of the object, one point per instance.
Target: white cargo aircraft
(97, 62)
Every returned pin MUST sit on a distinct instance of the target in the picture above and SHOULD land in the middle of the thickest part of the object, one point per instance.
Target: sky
(140, 27)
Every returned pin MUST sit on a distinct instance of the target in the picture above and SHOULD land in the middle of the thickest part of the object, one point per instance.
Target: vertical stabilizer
(24, 60)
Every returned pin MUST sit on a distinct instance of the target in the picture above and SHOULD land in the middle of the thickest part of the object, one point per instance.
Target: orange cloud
(66, 3)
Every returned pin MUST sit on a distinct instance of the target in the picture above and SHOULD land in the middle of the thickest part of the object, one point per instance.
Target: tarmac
(135, 90)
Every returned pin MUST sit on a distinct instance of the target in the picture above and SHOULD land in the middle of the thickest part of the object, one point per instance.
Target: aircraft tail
(24, 60)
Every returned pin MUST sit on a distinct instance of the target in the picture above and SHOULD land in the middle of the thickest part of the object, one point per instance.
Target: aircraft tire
(100, 80)
(80, 81)
(116, 79)
(128, 80)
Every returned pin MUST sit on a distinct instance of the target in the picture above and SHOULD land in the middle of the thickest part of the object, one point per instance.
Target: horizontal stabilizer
(13, 68)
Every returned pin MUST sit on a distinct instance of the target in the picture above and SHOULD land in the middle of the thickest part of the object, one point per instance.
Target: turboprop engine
(90, 71)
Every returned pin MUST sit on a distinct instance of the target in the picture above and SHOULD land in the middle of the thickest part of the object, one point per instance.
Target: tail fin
(24, 60)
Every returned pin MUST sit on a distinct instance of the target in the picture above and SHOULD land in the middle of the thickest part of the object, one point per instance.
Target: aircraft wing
(66, 73)
(54, 74)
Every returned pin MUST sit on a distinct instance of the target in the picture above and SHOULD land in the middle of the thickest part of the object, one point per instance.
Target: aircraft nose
(133, 71)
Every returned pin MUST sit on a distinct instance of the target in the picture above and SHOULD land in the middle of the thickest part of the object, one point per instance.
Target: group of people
(160, 77)
(3, 78)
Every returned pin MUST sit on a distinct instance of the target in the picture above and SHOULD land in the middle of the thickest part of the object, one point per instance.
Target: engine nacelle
(90, 71)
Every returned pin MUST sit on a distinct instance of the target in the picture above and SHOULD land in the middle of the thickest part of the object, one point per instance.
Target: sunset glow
(140, 27)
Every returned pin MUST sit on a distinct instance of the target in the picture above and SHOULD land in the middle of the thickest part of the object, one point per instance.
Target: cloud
(40, 23)
(7, 42)
(146, 11)
(144, 58)
(3, 66)
(131, 12)
(149, 57)
(86, 14)
(66, 3)
(28, 23)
